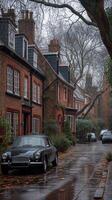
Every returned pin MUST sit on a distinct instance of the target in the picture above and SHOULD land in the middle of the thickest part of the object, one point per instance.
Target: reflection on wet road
(70, 181)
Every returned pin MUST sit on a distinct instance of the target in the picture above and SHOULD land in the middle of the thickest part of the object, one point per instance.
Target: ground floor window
(35, 125)
(70, 119)
(13, 119)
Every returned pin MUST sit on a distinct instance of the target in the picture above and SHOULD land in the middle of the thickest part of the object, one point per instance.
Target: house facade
(21, 80)
(35, 87)
(58, 93)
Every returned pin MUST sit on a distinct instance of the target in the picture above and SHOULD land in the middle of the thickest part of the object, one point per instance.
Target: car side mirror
(47, 145)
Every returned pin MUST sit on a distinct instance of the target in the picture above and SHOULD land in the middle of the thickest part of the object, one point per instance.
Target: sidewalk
(108, 189)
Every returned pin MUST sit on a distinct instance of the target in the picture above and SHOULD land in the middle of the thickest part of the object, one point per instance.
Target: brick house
(21, 80)
(36, 88)
(58, 92)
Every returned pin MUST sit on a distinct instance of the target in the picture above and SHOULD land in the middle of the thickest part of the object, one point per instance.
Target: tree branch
(55, 5)
(93, 102)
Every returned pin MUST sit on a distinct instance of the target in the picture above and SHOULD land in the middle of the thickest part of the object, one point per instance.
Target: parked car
(107, 137)
(102, 132)
(91, 137)
(29, 151)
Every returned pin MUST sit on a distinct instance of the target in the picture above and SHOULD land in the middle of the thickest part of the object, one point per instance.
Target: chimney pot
(54, 45)
(26, 26)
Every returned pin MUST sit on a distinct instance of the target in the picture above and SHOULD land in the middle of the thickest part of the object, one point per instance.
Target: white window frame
(35, 56)
(10, 81)
(16, 82)
(25, 56)
(38, 94)
(71, 120)
(34, 91)
(35, 125)
(11, 37)
(25, 87)
(58, 92)
(13, 119)
(65, 93)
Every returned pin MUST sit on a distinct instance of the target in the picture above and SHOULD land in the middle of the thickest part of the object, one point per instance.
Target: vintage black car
(29, 151)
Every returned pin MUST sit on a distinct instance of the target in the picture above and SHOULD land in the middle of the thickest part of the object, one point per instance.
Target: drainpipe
(31, 101)
(43, 102)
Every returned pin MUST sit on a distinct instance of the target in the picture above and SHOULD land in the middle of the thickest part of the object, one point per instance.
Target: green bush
(6, 137)
(83, 126)
(109, 156)
(50, 127)
(67, 132)
(60, 142)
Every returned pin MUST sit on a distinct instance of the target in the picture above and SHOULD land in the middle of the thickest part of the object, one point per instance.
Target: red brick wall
(8, 102)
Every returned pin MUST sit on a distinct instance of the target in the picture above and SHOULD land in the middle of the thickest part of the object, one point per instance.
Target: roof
(38, 71)
(79, 93)
(59, 74)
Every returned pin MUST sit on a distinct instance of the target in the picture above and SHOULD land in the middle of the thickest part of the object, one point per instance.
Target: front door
(25, 123)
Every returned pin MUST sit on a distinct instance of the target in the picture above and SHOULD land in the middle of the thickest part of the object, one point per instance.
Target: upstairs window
(36, 93)
(13, 81)
(9, 79)
(65, 93)
(16, 82)
(35, 59)
(11, 36)
(39, 94)
(26, 87)
(25, 49)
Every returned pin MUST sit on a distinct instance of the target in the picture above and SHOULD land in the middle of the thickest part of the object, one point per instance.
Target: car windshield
(28, 141)
(107, 134)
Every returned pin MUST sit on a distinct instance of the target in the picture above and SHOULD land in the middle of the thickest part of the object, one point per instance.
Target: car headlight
(4, 156)
(37, 156)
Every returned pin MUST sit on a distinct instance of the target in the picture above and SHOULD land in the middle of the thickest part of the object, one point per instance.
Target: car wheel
(55, 161)
(4, 170)
(44, 166)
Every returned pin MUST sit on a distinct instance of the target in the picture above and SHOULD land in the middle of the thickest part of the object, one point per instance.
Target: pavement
(108, 188)
(104, 171)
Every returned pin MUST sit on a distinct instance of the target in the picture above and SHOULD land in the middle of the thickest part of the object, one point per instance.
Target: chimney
(54, 46)
(26, 25)
(9, 14)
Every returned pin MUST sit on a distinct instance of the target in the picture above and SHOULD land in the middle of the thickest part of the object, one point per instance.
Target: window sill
(13, 95)
(38, 104)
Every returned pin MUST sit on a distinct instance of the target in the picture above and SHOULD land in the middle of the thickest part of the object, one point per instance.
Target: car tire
(44, 166)
(4, 170)
(55, 161)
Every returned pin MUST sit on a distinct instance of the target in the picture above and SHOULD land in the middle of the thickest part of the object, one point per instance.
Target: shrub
(60, 142)
(67, 132)
(83, 126)
(6, 135)
(50, 127)
(109, 156)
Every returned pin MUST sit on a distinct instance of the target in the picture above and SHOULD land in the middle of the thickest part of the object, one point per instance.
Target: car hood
(23, 151)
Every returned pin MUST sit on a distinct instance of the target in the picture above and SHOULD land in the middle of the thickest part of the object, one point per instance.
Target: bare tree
(95, 11)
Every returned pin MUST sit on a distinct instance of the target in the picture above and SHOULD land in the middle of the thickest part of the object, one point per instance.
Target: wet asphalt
(72, 180)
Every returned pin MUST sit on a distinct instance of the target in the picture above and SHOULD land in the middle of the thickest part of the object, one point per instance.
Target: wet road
(72, 180)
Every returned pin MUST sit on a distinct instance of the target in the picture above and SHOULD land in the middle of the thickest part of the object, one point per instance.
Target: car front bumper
(17, 165)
